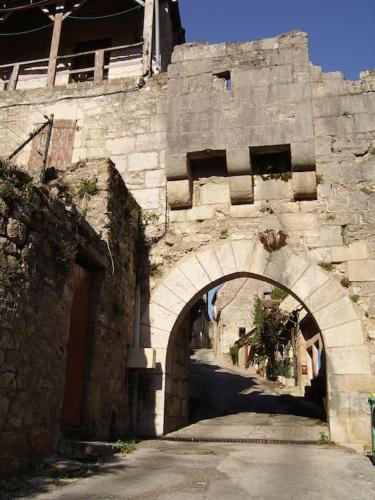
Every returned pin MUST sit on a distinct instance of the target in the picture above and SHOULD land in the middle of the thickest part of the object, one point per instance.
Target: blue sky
(341, 32)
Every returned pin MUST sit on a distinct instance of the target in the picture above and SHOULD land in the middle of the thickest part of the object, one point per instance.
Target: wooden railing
(83, 66)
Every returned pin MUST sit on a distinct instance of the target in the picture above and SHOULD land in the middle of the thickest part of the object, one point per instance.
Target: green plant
(125, 447)
(327, 266)
(278, 294)
(224, 233)
(88, 188)
(366, 190)
(285, 176)
(65, 252)
(354, 297)
(331, 217)
(347, 114)
(345, 282)
(7, 191)
(323, 438)
(283, 369)
(233, 353)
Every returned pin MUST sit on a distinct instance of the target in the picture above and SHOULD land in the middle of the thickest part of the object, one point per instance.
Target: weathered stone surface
(179, 193)
(241, 189)
(361, 270)
(304, 185)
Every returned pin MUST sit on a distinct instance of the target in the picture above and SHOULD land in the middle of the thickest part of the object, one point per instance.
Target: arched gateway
(348, 363)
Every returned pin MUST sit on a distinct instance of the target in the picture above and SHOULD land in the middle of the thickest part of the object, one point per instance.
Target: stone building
(248, 161)
(68, 270)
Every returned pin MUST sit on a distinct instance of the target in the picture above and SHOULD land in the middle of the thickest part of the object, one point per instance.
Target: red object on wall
(304, 369)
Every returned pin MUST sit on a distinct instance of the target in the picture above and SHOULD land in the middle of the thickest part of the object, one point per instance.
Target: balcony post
(52, 64)
(99, 66)
(14, 77)
(147, 36)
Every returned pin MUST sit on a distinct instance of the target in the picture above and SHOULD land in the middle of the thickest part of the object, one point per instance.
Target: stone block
(318, 299)
(202, 213)
(225, 257)
(166, 298)
(176, 166)
(335, 313)
(154, 178)
(299, 222)
(303, 156)
(241, 189)
(214, 193)
(210, 263)
(179, 193)
(143, 161)
(348, 360)
(238, 161)
(304, 185)
(180, 284)
(361, 270)
(192, 268)
(345, 335)
(354, 251)
(147, 198)
(312, 279)
(272, 189)
(242, 250)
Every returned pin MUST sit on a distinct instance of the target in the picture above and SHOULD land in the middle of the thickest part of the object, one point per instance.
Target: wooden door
(77, 349)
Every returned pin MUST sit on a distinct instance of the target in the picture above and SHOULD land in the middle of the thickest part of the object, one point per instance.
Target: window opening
(223, 81)
(271, 161)
(209, 163)
(241, 332)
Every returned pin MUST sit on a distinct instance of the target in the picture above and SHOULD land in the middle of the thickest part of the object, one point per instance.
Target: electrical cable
(25, 7)
(27, 31)
(69, 97)
(95, 18)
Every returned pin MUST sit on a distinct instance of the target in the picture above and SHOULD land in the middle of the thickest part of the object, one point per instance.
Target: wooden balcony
(95, 66)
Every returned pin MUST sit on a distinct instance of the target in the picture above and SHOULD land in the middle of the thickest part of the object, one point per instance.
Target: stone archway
(348, 362)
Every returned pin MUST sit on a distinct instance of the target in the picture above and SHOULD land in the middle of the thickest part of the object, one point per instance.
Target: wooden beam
(52, 64)
(147, 36)
(99, 65)
(14, 77)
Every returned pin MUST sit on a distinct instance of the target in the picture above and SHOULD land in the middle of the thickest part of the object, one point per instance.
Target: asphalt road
(184, 471)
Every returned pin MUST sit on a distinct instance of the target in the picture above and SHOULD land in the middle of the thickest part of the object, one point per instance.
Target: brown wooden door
(76, 360)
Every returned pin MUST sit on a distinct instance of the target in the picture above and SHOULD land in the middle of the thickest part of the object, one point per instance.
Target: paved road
(229, 403)
(183, 471)
(161, 470)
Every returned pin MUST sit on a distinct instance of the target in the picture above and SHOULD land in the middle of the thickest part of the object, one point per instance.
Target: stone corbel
(304, 186)
(179, 194)
(240, 179)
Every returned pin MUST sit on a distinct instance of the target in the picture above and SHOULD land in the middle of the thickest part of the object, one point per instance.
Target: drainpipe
(157, 36)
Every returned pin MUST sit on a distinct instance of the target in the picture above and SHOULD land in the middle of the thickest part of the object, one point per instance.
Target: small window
(271, 160)
(210, 163)
(223, 81)
(241, 331)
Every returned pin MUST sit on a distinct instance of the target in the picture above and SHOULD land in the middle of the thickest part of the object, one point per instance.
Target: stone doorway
(348, 363)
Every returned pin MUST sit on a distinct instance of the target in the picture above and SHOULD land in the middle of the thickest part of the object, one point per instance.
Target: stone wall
(43, 233)
(160, 133)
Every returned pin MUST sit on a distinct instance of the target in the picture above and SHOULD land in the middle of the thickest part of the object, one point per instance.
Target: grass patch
(88, 188)
(125, 447)
(345, 282)
(327, 266)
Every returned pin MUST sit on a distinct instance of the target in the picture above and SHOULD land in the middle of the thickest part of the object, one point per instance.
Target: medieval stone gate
(347, 356)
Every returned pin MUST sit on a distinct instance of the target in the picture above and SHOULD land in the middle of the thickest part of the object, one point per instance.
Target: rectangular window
(223, 81)
(241, 331)
(210, 163)
(271, 160)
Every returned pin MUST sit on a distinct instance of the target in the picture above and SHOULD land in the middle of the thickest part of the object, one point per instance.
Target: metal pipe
(157, 36)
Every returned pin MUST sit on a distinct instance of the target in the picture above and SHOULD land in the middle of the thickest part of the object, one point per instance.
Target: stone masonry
(189, 145)
(42, 233)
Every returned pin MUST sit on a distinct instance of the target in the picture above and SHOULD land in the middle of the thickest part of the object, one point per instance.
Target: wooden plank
(51, 75)
(147, 36)
(77, 350)
(12, 84)
(99, 65)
